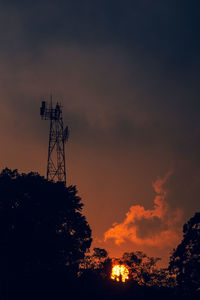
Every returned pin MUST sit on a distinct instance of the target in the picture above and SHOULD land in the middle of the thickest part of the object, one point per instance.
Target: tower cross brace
(56, 166)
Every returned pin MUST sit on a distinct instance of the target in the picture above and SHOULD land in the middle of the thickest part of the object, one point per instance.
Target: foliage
(97, 263)
(41, 225)
(142, 269)
(185, 260)
(144, 272)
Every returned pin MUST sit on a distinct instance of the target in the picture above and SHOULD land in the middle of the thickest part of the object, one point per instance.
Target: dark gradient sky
(128, 75)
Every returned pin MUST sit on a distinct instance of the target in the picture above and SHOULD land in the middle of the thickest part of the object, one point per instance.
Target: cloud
(149, 227)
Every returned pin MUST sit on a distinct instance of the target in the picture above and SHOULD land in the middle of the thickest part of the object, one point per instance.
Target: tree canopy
(97, 263)
(185, 260)
(42, 228)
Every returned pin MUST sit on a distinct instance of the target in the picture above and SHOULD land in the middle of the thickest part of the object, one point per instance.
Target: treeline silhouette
(45, 242)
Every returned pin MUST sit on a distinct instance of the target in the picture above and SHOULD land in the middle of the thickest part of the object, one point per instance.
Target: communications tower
(58, 136)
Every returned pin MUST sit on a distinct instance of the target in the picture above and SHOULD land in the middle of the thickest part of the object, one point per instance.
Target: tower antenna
(58, 136)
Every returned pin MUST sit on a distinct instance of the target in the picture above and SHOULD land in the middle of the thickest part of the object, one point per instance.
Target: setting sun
(120, 273)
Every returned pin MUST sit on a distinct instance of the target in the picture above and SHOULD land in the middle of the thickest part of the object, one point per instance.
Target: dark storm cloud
(137, 58)
(169, 28)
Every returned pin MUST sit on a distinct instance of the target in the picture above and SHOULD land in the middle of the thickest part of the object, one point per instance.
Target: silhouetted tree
(98, 263)
(42, 229)
(142, 269)
(185, 260)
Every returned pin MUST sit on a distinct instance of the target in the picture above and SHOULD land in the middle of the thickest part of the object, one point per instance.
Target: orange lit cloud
(150, 227)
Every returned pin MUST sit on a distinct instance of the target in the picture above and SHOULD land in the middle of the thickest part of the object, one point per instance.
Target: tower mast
(58, 136)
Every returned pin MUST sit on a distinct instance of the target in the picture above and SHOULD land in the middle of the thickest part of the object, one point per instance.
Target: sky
(127, 73)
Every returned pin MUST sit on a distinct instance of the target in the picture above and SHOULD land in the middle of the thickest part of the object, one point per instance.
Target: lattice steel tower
(56, 169)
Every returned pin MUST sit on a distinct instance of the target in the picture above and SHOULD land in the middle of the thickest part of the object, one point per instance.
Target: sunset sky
(127, 73)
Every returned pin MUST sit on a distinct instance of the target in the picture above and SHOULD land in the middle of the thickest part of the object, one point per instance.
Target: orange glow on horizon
(120, 273)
